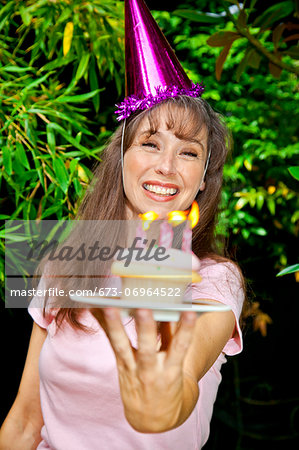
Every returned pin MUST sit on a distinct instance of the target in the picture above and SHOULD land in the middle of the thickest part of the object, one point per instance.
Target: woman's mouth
(160, 192)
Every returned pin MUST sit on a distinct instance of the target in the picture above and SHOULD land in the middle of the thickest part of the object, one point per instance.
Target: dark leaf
(254, 58)
(277, 33)
(292, 51)
(275, 70)
(223, 38)
(198, 16)
(221, 59)
(273, 14)
(242, 19)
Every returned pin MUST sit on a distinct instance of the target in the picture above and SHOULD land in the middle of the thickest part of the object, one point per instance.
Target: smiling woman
(108, 382)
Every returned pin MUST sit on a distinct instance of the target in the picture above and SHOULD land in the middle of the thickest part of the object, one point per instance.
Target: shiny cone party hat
(153, 72)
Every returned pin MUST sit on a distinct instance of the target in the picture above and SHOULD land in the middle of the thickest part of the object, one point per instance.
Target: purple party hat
(153, 72)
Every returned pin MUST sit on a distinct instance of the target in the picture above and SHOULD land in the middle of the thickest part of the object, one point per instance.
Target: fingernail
(190, 317)
(109, 313)
(143, 314)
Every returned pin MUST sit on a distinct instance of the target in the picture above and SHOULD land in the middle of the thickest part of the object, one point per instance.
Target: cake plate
(162, 312)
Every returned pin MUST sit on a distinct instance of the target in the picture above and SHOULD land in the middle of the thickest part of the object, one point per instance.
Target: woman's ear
(202, 186)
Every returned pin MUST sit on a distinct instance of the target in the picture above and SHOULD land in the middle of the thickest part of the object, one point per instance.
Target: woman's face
(163, 173)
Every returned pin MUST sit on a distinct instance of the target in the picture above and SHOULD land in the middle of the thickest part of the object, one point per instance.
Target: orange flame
(147, 218)
(174, 217)
(194, 214)
(179, 216)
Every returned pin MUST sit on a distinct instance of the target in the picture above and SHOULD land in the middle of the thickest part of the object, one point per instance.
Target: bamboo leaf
(51, 138)
(21, 155)
(16, 69)
(287, 270)
(78, 98)
(94, 83)
(82, 66)
(7, 159)
(294, 171)
(36, 82)
(61, 174)
(72, 140)
(67, 37)
(26, 16)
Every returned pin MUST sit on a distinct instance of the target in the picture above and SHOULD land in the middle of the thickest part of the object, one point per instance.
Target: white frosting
(176, 259)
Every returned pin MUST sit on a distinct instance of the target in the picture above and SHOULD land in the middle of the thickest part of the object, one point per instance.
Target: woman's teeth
(160, 190)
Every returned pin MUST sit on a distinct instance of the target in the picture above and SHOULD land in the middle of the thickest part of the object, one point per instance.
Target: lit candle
(140, 233)
(187, 238)
(146, 219)
(166, 235)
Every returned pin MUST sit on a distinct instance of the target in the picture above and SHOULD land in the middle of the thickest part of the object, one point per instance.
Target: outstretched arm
(22, 426)
(159, 388)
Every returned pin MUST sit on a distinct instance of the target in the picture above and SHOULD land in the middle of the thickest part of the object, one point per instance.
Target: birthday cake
(163, 280)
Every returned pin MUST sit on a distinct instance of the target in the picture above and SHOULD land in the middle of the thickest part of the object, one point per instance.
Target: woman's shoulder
(220, 267)
(222, 280)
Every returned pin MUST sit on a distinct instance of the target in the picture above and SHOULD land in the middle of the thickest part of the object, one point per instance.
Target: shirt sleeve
(222, 282)
(41, 315)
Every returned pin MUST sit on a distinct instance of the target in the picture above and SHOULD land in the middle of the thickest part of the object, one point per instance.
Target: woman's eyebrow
(148, 133)
(195, 141)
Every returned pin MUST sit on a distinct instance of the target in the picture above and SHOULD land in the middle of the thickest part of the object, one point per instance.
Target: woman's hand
(157, 395)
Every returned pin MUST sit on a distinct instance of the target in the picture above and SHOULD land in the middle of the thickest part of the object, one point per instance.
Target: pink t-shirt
(79, 388)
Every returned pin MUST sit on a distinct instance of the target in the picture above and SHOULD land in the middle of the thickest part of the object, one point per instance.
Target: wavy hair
(105, 198)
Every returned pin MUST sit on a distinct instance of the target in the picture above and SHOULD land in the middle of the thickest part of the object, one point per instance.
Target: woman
(173, 389)
(110, 383)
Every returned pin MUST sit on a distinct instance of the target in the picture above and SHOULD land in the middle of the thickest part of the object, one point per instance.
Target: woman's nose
(166, 165)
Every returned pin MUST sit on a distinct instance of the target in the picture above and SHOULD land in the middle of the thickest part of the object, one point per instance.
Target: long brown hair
(105, 199)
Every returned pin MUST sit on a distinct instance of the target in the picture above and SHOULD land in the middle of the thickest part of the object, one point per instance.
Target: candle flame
(174, 217)
(180, 216)
(177, 217)
(147, 218)
(193, 216)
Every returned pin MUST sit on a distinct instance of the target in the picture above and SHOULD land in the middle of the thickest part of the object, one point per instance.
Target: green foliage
(56, 59)
(264, 34)
(51, 77)
(260, 201)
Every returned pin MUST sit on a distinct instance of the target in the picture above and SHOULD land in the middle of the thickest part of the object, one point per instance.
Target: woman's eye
(149, 144)
(191, 154)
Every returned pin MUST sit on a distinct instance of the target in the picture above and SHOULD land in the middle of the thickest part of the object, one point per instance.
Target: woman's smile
(159, 191)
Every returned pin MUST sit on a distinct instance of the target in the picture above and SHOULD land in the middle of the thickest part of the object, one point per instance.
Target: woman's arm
(159, 389)
(22, 426)
(211, 333)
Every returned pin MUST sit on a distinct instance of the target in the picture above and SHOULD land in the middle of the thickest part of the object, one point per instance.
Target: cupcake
(158, 281)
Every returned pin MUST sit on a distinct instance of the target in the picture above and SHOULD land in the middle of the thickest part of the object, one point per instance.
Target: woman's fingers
(118, 338)
(181, 340)
(147, 339)
(166, 332)
(145, 359)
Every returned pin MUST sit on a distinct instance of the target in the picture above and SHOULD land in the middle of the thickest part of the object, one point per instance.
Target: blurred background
(62, 71)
